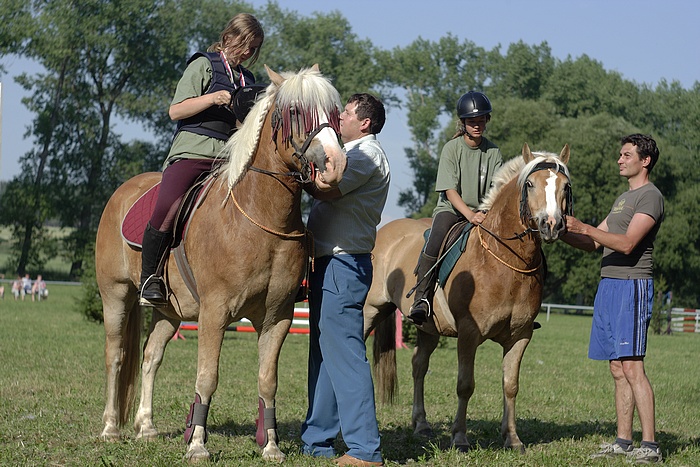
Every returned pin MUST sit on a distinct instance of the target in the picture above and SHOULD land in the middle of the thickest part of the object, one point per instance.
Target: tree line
(104, 60)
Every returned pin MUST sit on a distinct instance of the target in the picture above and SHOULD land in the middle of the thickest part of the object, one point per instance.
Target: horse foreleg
(269, 345)
(466, 353)
(162, 330)
(211, 336)
(511, 374)
(425, 345)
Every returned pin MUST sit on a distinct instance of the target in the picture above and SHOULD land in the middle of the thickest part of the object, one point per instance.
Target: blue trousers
(340, 388)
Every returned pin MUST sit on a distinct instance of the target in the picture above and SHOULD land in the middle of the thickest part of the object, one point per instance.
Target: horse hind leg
(161, 331)
(425, 345)
(122, 322)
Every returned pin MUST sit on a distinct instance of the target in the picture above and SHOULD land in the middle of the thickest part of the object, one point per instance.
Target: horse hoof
(425, 432)
(278, 456)
(463, 447)
(110, 435)
(519, 448)
(197, 454)
(147, 435)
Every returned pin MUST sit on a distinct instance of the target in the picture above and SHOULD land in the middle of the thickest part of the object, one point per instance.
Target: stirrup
(422, 315)
(154, 302)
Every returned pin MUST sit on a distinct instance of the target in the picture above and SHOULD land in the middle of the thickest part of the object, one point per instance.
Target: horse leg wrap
(197, 416)
(267, 419)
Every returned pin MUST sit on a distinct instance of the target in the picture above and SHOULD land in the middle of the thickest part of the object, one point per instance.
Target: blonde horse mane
(240, 148)
(517, 167)
(306, 97)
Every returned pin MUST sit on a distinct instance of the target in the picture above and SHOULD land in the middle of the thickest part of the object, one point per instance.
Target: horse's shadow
(400, 444)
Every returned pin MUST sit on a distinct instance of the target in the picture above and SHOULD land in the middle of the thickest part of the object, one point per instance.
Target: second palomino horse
(494, 291)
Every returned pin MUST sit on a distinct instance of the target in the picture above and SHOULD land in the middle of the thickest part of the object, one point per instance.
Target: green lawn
(52, 398)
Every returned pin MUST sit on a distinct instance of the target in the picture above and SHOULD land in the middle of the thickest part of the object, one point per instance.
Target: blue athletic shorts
(621, 316)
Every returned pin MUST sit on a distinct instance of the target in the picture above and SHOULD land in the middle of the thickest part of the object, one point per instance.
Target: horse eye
(529, 184)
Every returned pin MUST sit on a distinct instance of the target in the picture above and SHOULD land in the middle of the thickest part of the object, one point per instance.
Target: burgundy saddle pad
(136, 219)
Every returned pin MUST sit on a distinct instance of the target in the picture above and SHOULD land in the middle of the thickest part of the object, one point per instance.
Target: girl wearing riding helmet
(465, 172)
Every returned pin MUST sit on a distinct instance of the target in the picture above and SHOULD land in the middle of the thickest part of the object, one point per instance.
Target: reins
(524, 214)
(519, 237)
(266, 229)
(303, 176)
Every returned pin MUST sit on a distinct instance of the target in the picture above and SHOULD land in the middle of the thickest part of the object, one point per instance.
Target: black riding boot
(423, 300)
(155, 245)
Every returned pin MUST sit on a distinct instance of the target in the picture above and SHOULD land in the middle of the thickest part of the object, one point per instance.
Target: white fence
(678, 319)
(683, 320)
(555, 306)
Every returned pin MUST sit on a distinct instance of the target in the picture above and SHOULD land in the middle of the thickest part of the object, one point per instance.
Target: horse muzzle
(551, 228)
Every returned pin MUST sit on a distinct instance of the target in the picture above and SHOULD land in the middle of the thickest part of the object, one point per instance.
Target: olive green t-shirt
(186, 145)
(467, 170)
(638, 264)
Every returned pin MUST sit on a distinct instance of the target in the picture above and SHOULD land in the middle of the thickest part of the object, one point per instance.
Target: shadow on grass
(399, 444)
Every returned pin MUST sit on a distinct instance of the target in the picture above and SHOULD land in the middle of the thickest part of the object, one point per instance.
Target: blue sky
(646, 41)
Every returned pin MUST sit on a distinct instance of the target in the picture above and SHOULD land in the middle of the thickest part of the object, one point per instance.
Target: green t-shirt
(638, 264)
(186, 145)
(467, 170)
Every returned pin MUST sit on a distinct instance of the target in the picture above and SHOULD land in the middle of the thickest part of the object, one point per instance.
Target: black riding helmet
(473, 104)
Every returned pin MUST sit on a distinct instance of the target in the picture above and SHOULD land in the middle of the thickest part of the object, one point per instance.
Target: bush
(90, 303)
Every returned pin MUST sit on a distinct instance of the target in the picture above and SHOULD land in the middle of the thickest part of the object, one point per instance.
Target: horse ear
(276, 78)
(527, 154)
(315, 68)
(565, 153)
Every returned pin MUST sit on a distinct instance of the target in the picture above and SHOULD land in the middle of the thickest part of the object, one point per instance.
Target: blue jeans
(340, 388)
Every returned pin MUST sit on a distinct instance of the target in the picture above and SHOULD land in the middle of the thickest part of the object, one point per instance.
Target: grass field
(52, 398)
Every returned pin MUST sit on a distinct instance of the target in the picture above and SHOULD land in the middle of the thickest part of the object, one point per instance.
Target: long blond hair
(240, 33)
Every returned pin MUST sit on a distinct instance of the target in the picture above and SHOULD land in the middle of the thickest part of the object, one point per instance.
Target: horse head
(307, 115)
(303, 111)
(546, 195)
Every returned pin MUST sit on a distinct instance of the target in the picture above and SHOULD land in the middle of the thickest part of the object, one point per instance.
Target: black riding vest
(216, 121)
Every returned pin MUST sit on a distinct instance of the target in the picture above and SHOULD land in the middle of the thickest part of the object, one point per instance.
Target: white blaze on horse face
(551, 193)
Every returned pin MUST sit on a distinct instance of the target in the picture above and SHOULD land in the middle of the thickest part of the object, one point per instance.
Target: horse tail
(126, 387)
(384, 352)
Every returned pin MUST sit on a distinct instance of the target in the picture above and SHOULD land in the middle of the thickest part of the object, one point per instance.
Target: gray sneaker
(645, 455)
(611, 450)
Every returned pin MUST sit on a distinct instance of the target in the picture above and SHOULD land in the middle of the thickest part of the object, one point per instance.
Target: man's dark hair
(646, 146)
(370, 107)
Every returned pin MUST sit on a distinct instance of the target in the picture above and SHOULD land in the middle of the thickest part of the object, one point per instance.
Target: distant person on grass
(26, 286)
(623, 302)
(17, 287)
(39, 290)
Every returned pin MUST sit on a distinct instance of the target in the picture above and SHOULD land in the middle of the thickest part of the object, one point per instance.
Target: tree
(523, 72)
(293, 42)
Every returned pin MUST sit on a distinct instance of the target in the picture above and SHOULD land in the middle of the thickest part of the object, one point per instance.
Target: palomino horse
(246, 246)
(494, 291)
